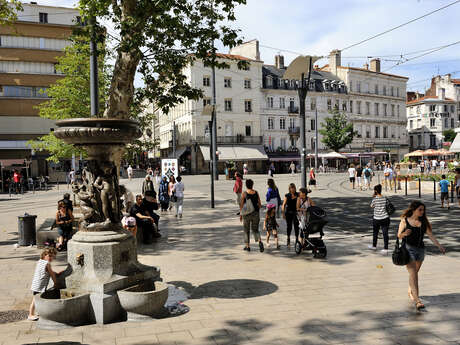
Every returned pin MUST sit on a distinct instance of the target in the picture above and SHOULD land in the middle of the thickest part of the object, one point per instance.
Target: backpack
(367, 173)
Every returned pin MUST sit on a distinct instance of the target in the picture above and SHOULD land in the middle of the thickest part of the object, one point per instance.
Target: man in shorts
(388, 173)
(352, 175)
(359, 174)
(367, 173)
(444, 184)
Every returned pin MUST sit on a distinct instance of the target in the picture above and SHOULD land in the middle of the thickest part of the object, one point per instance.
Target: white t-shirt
(389, 171)
(442, 164)
(179, 189)
(434, 162)
(351, 172)
(72, 176)
(130, 170)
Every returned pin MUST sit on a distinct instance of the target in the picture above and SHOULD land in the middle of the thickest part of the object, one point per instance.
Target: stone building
(28, 51)
(376, 106)
(239, 136)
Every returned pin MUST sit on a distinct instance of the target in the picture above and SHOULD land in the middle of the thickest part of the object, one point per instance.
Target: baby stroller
(312, 223)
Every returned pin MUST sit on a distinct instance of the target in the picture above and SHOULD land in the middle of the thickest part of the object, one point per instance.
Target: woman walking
(251, 220)
(171, 193)
(273, 195)
(238, 189)
(381, 219)
(289, 210)
(312, 177)
(147, 184)
(179, 193)
(414, 225)
(163, 195)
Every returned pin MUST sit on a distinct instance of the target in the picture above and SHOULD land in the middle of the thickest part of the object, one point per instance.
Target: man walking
(367, 172)
(444, 184)
(388, 173)
(130, 172)
(352, 175)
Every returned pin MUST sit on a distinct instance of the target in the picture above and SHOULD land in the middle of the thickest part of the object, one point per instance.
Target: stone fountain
(102, 255)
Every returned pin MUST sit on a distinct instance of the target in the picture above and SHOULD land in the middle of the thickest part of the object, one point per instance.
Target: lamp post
(299, 69)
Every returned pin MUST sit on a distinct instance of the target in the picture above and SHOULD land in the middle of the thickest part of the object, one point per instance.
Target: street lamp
(299, 69)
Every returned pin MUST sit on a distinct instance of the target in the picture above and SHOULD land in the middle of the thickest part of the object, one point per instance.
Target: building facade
(376, 106)
(28, 52)
(239, 136)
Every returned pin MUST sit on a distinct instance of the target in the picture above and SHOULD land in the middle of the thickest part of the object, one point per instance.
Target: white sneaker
(384, 251)
(370, 246)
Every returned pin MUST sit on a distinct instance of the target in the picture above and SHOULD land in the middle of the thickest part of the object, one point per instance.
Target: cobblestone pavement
(354, 296)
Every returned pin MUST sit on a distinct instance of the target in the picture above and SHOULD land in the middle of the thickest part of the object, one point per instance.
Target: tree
(337, 132)
(8, 11)
(159, 39)
(449, 135)
(70, 95)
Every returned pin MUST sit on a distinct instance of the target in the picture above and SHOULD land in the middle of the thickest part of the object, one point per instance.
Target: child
(43, 272)
(444, 184)
(129, 223)
(270, 224)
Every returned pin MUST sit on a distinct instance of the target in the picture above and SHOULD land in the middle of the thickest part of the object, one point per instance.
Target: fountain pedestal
(102, 255)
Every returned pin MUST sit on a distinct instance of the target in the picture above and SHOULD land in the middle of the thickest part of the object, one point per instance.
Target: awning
(11, 162)
(236, 152)
(285, 159)
(455, 147)
(179, 152)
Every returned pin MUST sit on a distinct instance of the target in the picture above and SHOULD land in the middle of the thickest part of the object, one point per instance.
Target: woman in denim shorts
(414, 225)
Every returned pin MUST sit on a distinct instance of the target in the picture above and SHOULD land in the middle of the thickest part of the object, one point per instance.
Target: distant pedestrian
(359, 174)
(412, 228)
(352, 175)
(409, 169)
(171, 192)
(273, 195)
(238, 189)
(303, 203)
(130, 171)
(250, 200)
(245, 169)
(292, 168)
(147, 184)
(388, 174)
(43, 273)
(270, 224)
(71, 177)
(163, 194)
(289, 210)
(271, 170)
(179, 193)
(442, 166)
(312, 178)
(434, 165)
(444, 185)
(380, 220)
(457, 185)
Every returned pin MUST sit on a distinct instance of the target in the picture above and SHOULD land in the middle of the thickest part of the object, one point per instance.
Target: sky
(317, 27)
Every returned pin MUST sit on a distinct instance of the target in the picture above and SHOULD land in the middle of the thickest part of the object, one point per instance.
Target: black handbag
(400, 254)
(389, 207)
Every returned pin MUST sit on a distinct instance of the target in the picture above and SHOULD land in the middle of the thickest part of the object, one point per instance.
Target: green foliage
(449, 135)
(158, 39)
(56, 148)
(8, 11)
(337, 132)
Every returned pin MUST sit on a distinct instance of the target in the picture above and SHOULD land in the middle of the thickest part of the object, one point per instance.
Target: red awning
(11, 162)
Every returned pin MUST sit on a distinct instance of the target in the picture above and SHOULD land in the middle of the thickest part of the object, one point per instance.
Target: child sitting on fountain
(43, 272)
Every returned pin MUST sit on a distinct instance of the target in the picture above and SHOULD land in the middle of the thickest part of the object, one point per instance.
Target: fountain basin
(143, 301)
(61, 309)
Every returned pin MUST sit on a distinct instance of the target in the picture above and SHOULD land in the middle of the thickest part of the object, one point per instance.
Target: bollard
(406, 186)
(434, 189)
(419, 187)
(57, 182)
(452, 191)
(395, 182)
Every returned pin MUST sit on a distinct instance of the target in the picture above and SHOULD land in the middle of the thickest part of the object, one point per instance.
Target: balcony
(234, 139)
(294, 131)
(293, 110)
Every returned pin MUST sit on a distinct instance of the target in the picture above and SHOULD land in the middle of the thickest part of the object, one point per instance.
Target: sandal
(419, 305)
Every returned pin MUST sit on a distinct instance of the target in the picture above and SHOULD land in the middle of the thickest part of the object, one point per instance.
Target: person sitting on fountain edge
(150, 204)
(144, 221)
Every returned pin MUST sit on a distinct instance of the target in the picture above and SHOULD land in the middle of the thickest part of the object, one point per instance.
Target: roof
(235, 57)
(430, 99)
(315, 74)
(455, 81)
(366, 70)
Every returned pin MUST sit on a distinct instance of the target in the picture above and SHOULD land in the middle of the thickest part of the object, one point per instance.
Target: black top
(359, 172)
(68, 204)
(137, 209)
(291, 204)
(255, 200)
(415, 239)
(149, 206)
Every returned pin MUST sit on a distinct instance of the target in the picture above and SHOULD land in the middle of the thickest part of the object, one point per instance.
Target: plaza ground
(354, 296)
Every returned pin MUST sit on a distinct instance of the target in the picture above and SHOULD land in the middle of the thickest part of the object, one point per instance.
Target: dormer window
(269, 81)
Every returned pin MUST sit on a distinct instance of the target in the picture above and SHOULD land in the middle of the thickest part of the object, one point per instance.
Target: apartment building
(427, 117)
(28, 52)
(376, 106)
(239, 136)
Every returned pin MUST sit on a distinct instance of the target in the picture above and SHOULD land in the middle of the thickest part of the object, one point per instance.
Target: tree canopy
(449, 135)
(337, 132)
(158, 39)
(9, 10)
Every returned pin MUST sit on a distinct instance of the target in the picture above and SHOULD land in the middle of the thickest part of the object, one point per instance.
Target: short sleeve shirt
(351, 172)
(444, 186)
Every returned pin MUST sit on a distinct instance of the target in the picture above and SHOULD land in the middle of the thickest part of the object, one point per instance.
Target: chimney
(442, 93)
(366, 66)
(279, 61)
(375, 65)
(334, 60)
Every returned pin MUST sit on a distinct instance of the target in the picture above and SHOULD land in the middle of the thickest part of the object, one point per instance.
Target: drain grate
(13, 316)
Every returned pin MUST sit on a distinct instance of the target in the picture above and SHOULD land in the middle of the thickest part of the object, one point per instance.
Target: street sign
(169, 167)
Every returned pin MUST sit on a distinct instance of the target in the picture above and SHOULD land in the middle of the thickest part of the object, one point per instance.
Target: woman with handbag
(249, 214)
(380, 220)
(414, 225)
